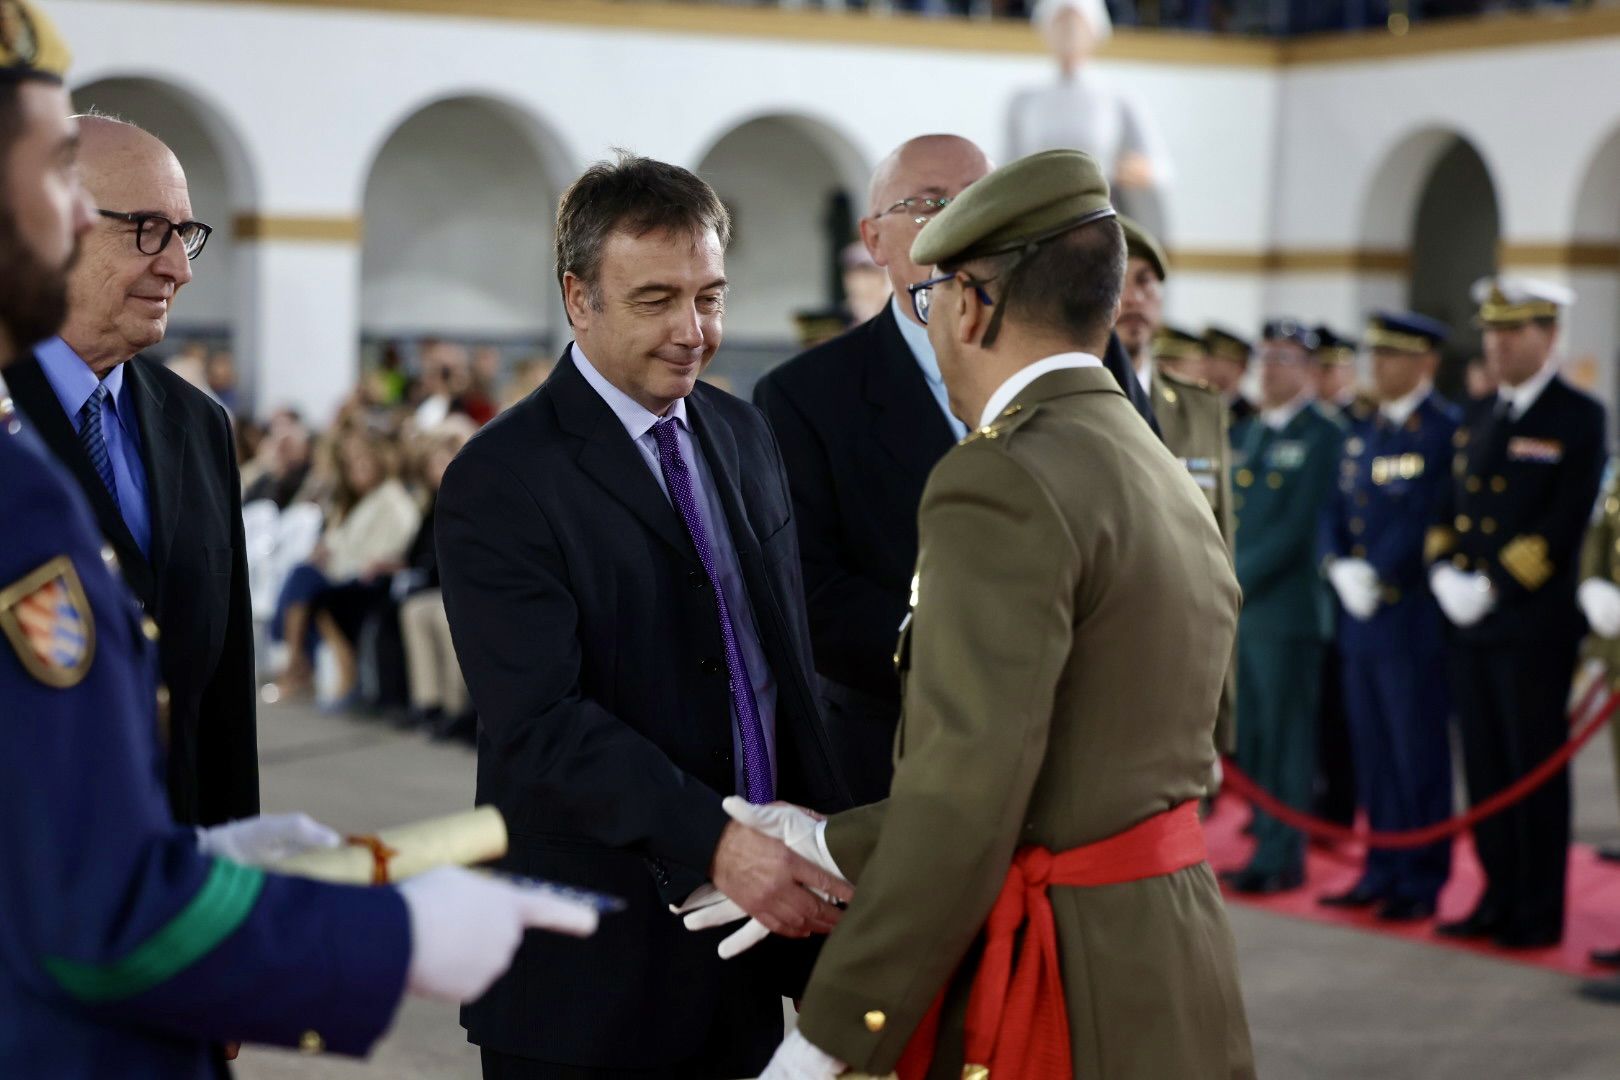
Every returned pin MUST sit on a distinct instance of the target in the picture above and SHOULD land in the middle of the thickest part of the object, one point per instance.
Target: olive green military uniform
(1600, 558)
(1026, 721)
(1283, 481)
(1193, 420)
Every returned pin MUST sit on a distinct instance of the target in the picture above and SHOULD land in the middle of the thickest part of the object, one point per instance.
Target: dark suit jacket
(195, 584)
(590, 640)
(860, 431)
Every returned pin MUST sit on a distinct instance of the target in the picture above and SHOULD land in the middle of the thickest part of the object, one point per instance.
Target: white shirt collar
(1521, 397)
(636, 418)
(1400, 410)
(1144, 375)
(1024, 376)
(1280, 417)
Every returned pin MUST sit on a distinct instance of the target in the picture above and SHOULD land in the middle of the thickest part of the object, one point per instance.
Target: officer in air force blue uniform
(1395, 467)
(1505, 558)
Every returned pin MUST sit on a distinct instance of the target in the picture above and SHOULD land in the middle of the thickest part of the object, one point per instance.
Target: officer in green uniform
(1063, 551)
(1287, 457)
(1192, 417)
(1599, 597)
(1179, 352)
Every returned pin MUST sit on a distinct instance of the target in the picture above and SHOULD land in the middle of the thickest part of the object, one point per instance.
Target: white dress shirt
(1024, 376)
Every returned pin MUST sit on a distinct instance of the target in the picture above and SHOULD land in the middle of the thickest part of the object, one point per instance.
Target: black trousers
(1511, 713)
(1335, 795)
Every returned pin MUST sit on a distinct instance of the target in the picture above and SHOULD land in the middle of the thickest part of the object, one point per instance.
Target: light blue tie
(94, 439)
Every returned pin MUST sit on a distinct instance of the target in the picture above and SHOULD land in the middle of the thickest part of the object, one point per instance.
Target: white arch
(1596, 208)
(1396, 183)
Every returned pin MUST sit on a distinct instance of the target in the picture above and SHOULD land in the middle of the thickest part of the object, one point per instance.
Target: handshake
(771, 867)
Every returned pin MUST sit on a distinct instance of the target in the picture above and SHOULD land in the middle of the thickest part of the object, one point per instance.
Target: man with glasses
(155, 458)
(861, 420)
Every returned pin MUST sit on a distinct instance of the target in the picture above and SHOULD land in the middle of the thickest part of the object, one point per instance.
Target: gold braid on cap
(30, 47)
(1379, 337)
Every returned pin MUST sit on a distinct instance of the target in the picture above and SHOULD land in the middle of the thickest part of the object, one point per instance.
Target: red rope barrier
(1246, 789)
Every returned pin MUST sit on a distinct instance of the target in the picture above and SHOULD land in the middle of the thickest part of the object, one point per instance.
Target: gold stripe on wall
(1577, 256)
(1291, 261)
(313, 230)
(1498, 30)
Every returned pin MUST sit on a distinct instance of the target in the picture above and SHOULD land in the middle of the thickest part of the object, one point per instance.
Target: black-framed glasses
(920, 207)
(153, 232)
(923, 291)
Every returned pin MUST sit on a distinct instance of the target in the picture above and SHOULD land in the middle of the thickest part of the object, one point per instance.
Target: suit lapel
(611, 459)
(907, 421)
(163, 444)
(33, 394)
(718, 445)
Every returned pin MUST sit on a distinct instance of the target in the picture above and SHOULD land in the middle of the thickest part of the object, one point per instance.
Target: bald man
(156, 460)
(861, 420)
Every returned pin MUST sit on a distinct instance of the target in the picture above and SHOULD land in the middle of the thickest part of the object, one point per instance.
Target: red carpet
(1592, 920)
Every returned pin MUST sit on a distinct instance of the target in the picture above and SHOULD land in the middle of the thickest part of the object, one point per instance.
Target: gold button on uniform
(1274, 481)
(1460, 561)
(1169, 396)
(875, 1021)
(149, 628)
(312, 1043)
(1487, 525)
(1462, 523)
(1473, 484)
(1358, 552)
(1244, 478)
(1499, 484)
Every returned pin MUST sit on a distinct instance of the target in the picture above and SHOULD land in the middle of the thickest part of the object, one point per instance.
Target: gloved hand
(799, 1059)
(261, 841)
(1356, 582)
(1465, 598)
(1600, 600)
(466, 927)
(803, 834)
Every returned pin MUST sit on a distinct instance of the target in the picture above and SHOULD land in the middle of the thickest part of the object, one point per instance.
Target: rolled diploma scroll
(463, 839)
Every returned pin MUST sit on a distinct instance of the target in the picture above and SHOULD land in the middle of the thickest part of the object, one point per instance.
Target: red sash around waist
(1017, 1021)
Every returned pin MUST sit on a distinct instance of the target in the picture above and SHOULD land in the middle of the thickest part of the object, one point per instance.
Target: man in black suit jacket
(172, 513)
(620, 570)
(862, 420)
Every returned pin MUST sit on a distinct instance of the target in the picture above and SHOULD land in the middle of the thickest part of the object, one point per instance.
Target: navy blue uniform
(1516, 509)
(124, 951)
(1391, 478)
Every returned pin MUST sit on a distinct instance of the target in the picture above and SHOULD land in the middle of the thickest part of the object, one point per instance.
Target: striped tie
(94, 440)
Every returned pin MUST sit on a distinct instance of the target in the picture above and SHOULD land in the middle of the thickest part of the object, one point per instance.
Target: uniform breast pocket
(219, 559)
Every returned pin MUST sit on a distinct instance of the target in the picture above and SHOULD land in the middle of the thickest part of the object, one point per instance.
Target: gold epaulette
(1438, 542)
(998, 427)
(1525, 557)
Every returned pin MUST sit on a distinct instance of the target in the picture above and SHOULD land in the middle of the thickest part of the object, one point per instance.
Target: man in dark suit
(620, 569)
(862, 420)
(157, 461)
(1504, 555)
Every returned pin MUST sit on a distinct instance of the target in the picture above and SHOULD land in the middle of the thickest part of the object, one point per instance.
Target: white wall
(1322, 156)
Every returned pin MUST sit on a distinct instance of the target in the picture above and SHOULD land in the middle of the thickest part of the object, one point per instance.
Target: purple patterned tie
(756, 762)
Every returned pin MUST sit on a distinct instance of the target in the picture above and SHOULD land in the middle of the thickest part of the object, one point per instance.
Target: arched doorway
(458, 211)
(212, 313)
(1434, 199)
(1592, 263)
(795, 188)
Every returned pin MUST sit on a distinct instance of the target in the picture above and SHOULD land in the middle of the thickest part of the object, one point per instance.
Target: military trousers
(1399, 708)
(1279, 696)
(1511, 713)
(1336, 794)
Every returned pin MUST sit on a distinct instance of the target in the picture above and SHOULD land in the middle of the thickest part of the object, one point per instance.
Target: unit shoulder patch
(46, 617)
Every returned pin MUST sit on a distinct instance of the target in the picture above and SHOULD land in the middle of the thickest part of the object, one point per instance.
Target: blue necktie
(756, 758)
(94, 439)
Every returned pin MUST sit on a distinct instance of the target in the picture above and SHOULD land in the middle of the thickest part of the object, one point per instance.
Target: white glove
(805, 836)
(466, 927)
(1600, 600)
(261, 841)
(1356, 582)
(799, 1059)
(1465, 598)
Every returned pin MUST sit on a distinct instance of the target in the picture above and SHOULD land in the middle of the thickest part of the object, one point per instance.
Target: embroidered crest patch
(46, 618)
